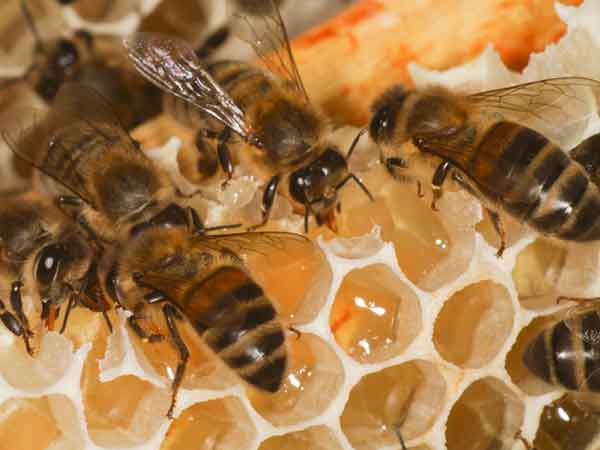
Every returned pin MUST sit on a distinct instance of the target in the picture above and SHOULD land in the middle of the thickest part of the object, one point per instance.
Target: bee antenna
(31, 25)
(355, 142)
(357, 180)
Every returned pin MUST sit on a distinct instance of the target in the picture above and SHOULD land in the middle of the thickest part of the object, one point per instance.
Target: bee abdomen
(240, 325)
(567, 355)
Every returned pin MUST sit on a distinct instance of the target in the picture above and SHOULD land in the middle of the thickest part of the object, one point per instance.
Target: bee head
(385, 114)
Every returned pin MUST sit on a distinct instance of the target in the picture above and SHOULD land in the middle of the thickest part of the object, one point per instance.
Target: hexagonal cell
(432, 248)
(564, 424)
(410, 395)
(307, 278)
(536, 273)
(52, 359)
(473, 324)
(375, 316)
(313, 379)
(520, 375)
(40, 424)
(116, 411)
(204, 369)
(492, 414)
(221, 424)
(314, 438)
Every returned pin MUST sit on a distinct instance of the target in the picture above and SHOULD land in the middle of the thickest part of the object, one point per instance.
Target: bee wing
(558, 108)
(48, 139)
(583, 321)
(264, 29)
(171, 64)
(249, 245)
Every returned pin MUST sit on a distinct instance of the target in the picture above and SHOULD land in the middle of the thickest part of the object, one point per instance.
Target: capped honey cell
(375, 315)
(313, 379)
(409, 396)
(487, 415)
(474, 324)
(221, 424)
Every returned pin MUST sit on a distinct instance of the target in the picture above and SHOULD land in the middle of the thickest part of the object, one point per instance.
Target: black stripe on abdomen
(590, 330)
(564, 356)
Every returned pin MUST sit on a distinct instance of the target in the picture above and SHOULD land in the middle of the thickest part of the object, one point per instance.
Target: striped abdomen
(239, 323)
(568, 355)
(244, 83)
(537, 182)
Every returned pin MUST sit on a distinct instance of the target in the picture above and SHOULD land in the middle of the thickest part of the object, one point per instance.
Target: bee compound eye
(49, 262)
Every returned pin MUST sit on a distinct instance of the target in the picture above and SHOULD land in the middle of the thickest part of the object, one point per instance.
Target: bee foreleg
(12, 323)
(171, 315)
(399, 436)
(499, 227)
(438, 180)
(224, 155)
(16, 302)
(267, 201)
(70, 305)
(138, 329)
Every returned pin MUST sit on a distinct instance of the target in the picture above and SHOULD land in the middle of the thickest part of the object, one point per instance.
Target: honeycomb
(406, 318)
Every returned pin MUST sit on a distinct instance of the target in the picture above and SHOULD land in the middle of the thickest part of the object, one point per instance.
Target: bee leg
(525, 442)
(267, 201)
(70, 305)
(12, 323)
(499, 227)
(16, 302)
(215, 40)
(395, 163)
(297, 332)
(399, 436)
(138, 329)
(436, 183)
(171, 315)
(224, 155)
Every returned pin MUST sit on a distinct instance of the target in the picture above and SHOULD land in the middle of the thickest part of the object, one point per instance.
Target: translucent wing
(263, 28)
(171, 64)
(80, 119)
(558, 108)
(249, 245)
(584, 322)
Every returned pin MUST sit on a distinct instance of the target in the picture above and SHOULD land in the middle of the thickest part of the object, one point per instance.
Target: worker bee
(206, 280)
(268, 110)
(42, 250)
(104, 179)
(513, 168)
(94, 61)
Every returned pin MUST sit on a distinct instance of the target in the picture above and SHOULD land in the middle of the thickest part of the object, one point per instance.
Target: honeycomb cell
(520, 375)
(313, 379)
(49, 422)
(221, 424)
(536, 273)
(409, 396)
(375, 316)
(50, 362)
(204, 369)
(307, 278)
(564, 424)
(492, 414)
(432, 248)
(125, 411)
(314, 438)
(474, 324)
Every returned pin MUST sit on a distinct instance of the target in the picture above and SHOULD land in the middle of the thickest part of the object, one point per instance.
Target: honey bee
(94, 61)
(513, 168)
(104, 178)
(49, 255)
(205, 279)
(567, 353)
(268, 110)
